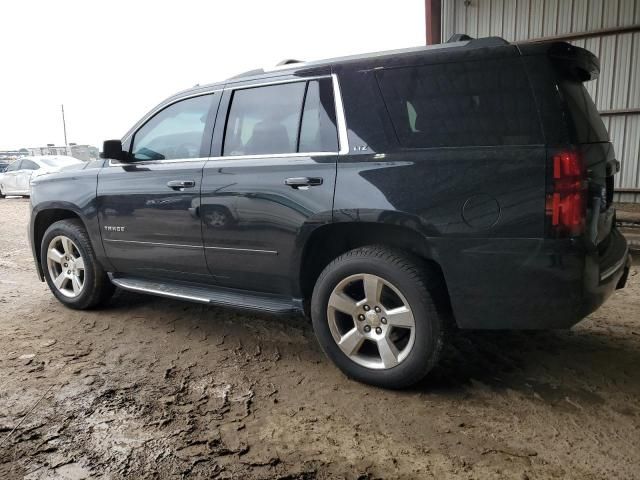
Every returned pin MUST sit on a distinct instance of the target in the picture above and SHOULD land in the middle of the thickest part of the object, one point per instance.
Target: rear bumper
(530, 283)
(605, 272)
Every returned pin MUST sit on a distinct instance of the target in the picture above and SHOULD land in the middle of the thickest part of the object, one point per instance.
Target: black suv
(384, 195)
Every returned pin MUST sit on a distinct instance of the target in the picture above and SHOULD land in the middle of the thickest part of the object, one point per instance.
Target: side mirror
(112, 149)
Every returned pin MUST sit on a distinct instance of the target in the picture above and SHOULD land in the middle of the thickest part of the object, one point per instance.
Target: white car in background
(16, 179)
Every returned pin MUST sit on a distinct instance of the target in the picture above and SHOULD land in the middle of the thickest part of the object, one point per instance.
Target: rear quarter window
(586, 123)
(477, 103)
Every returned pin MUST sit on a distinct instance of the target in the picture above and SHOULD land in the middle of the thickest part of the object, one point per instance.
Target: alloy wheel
(66, 266)
(371, 321)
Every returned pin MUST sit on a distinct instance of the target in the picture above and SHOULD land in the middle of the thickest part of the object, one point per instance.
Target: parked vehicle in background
(17, 177)
(384, 195)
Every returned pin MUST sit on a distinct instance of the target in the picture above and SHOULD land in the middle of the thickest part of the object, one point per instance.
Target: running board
(210, 295)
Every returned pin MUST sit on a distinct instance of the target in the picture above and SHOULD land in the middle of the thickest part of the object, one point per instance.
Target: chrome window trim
(274, 155)
(275, 82)
(343, 138)
(341, 125)
(118, 163)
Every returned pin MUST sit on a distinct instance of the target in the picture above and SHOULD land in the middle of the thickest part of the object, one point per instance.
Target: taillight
(566, 195)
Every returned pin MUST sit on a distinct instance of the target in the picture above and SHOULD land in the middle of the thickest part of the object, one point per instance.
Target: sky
(109, 62)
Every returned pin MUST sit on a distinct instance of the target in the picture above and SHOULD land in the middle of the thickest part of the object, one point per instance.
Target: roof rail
(488, 42)
(288, 61)
(258, 71)
(249, 73)
(477, 42)
(459, 37)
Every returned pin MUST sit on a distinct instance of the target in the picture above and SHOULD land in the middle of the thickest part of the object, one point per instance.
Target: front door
(9, 178)
(273, 174)
(148, 207)
(23, 176)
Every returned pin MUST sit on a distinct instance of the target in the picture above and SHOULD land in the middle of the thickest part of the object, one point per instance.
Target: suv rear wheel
(375, 318)
(70, 267)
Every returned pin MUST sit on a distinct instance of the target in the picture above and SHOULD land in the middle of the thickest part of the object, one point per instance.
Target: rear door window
(318, 132)
(461, 104)
(29, 165)
(264, 120)
(282, 119)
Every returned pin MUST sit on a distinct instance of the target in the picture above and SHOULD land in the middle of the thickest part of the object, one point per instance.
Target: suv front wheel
(70, 267)
(375, 318)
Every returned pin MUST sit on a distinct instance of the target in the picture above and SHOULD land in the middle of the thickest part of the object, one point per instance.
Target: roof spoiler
(574, 62)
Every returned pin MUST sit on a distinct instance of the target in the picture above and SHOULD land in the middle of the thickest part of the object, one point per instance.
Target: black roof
(289, 67)
(458, 46)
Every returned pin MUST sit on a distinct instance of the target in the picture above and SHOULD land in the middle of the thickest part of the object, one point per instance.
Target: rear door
(148, 207)
(273, 174)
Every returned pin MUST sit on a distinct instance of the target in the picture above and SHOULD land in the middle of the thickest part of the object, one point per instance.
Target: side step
(210, 295)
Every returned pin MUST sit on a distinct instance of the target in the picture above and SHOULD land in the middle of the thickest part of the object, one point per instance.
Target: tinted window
(318, 132)
(462, 103)
(29, 165)
(585, 119)
(264, 120)
(174, 133)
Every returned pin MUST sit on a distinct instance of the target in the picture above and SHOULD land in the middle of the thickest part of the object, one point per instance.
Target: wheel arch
(329, 241)
(41, 221)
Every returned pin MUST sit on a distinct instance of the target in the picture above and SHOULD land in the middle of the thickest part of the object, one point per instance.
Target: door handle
(181, 184)
(303, 182)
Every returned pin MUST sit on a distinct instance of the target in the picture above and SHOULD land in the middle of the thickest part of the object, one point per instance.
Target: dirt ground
(153, 388)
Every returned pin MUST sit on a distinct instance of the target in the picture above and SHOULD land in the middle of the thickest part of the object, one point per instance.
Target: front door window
(175, 132)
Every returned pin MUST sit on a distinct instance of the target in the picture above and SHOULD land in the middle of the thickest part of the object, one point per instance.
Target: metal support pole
(432, 13)
(64, 127)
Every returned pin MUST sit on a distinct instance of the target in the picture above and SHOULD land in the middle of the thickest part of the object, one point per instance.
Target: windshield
(59, 161)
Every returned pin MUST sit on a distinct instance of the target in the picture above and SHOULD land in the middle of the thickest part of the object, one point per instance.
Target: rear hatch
(581, 159)
(573, 67)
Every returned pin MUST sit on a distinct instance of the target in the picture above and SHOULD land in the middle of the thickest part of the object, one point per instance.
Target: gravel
(153, 388)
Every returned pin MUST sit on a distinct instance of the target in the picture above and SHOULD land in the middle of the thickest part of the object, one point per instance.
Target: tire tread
(417, 272)
(102, 288)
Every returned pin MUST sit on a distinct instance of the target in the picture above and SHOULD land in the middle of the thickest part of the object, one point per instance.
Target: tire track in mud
(150, 388)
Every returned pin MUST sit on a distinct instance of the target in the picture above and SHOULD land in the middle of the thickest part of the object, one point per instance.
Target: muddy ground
(153, 388)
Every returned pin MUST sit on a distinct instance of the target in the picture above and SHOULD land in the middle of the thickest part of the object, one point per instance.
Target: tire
(2, 195)
(416, 349)
(95, 288)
